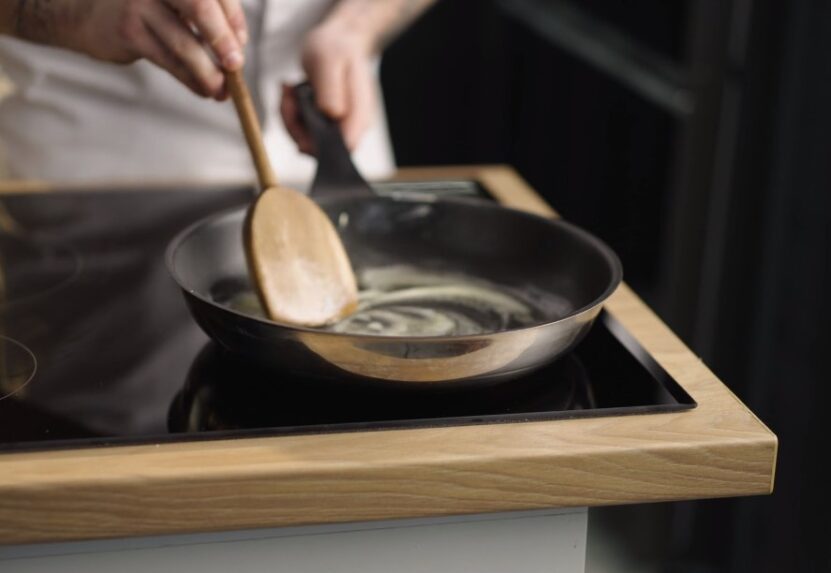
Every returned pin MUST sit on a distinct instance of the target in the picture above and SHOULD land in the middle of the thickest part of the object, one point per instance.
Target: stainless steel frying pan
(564, 271)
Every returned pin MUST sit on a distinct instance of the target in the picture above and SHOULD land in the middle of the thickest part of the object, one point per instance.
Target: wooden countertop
(719, 449)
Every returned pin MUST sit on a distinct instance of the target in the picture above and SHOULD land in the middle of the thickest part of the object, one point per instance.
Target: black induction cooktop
(97, 347)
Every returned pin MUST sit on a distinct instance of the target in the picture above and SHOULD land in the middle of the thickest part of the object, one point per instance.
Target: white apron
(73, 119)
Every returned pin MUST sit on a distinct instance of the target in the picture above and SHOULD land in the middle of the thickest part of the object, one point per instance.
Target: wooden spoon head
(297, 261)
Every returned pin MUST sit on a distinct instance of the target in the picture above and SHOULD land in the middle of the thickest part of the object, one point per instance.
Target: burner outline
(27, 351)
(65, 250)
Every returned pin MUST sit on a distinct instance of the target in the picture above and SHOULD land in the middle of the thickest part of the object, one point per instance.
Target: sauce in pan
(408, 301)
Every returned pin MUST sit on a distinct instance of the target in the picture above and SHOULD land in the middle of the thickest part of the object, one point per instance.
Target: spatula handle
(336, 174)
(251, 127)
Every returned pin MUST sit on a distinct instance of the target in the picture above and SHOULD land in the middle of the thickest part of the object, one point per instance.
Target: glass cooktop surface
(97, 346)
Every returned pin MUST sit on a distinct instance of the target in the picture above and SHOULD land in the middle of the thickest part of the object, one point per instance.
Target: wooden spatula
(296, 259)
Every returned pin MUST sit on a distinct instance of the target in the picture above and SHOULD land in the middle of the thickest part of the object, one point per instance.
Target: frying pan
(564, 271)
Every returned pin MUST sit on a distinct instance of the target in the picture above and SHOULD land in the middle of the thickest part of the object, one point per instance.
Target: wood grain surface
(719, 449)
(297, 262)
(250, 124)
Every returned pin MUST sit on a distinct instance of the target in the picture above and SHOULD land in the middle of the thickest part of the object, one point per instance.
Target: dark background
(695, 138)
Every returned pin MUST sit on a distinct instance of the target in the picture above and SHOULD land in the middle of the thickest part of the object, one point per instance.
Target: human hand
(337, 62)
(194, 40)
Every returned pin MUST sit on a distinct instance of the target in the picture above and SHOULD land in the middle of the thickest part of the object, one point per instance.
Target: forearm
(40, 21)
(376, 20)
(8, 16)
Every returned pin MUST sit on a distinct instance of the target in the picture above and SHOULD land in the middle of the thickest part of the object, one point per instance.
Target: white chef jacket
(73, 119)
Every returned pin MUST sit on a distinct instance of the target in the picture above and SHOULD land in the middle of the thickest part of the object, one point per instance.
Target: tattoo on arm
(18, 17)
(42, 21)
(33, 20)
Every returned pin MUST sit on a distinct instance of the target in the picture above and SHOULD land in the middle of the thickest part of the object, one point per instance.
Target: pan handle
(336, 174)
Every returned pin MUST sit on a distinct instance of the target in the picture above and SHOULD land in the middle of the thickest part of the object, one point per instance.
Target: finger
(362, 104)
(184, 46)
(154, 50)
(328, 78)
(236, 18)
(290, 112)
(212, 24)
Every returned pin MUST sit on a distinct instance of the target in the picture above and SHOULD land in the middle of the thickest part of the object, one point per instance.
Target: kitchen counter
(719, 449)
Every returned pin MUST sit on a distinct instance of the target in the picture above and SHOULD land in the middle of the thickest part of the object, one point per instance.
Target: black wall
(469, 84)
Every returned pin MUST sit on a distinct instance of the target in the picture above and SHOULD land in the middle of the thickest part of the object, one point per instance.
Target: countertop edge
(719, 449)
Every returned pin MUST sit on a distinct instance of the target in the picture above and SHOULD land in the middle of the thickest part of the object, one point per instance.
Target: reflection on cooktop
(31, 268)
(224, 392)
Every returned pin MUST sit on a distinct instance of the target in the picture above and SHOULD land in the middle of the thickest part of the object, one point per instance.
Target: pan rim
(611, 258)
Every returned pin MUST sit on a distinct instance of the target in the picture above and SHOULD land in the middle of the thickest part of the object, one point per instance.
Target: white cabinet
(521, 542)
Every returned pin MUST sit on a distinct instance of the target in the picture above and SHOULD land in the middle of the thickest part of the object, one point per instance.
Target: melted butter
(408, 301)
